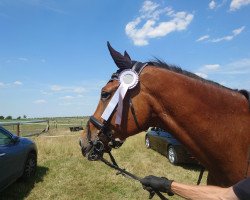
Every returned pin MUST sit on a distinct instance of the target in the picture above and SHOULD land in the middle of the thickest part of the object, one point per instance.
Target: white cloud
(68, 97)
(79, 90)
(204, 37)
(241, 66)
(207, 69)
(2, 84)
(56, 88)
(74, 89)
(17, 83)
(237, 4)
(212, 5)
(237, 67)
(10, 85)
(149, 7)
(23, 59)
(238, 31)
(235, 32)
(65, 104)
(236, 74)
(154, 27)
(211, 67)
(40, 101)
(215, 4)
(17, 60)
(44, 92)
(203, 75)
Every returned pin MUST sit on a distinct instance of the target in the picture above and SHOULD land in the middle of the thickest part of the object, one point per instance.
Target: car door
(166, 141)
(153, 138)
(11, 157)
(157, 139)
(162, 141)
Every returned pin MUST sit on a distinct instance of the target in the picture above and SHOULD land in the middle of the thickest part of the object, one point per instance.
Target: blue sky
(54, 59)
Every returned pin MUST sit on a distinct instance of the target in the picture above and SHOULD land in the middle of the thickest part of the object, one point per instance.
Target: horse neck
(194, 111)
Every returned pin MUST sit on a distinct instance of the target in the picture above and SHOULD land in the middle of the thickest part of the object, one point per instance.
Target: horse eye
(105, 95)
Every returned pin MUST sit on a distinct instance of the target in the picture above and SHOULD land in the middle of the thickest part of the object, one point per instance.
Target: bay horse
(210, 120)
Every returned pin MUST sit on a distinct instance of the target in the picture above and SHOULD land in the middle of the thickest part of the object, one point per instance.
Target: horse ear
(126, 55)
(122, 62)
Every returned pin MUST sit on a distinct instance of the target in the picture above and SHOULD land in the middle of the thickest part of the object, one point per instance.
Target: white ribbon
(112, 104)
(122, 93)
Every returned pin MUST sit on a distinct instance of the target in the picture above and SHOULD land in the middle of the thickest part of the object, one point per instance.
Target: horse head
(123, 109)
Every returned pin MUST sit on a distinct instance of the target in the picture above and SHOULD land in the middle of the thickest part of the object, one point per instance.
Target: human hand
(160, 184)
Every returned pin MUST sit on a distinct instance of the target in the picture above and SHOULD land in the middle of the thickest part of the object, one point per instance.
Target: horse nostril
(80, 142)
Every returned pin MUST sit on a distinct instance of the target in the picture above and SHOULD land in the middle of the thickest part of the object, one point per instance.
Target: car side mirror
(15, 139)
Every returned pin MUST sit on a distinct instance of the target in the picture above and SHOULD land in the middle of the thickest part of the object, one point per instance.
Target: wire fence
(50, 126)
(27, 128)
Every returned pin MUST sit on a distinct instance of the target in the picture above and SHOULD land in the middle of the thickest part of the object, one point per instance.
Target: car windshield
(4, 138)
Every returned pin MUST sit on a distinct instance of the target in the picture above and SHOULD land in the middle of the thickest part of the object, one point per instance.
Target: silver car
(18, 158)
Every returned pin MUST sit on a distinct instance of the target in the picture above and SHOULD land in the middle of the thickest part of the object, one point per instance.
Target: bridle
(96, 147)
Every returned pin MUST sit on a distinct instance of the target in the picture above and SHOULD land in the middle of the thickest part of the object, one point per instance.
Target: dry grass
(64, 174)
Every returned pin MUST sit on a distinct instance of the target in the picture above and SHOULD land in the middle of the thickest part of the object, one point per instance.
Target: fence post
(47, 129)
(18, 129)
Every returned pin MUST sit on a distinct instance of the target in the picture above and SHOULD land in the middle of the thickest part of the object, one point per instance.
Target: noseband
(97, 146)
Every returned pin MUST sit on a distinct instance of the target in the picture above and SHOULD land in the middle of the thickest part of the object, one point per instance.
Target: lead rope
(248, 162)
(115, 166)
(200, 175)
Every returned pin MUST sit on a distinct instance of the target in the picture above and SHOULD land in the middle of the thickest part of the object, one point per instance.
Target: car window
(4, 138)
(164, 134)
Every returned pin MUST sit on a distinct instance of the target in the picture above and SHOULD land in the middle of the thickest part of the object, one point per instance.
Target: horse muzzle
(93, 151)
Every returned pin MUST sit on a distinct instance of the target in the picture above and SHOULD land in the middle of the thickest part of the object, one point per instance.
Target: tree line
(10, 117)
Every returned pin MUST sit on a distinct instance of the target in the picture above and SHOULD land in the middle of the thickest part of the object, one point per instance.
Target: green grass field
(64, 174)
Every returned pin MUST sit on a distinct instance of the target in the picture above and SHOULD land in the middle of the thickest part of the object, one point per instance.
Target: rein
(248, 163)
(97, 151)
(125, 173)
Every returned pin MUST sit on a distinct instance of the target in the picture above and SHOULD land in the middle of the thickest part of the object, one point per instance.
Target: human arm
(192, 192)
(197, 192)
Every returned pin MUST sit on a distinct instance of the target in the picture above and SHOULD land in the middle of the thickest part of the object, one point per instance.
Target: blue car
(18, 158)
(164, 143)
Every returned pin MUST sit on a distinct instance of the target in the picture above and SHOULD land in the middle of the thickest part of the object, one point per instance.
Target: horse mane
(162, 64)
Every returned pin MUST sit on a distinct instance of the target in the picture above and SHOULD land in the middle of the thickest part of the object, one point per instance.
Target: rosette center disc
(129, 78)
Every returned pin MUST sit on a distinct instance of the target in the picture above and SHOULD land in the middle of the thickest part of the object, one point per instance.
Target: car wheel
(147, 142)
(172, 155)
(30, 166)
